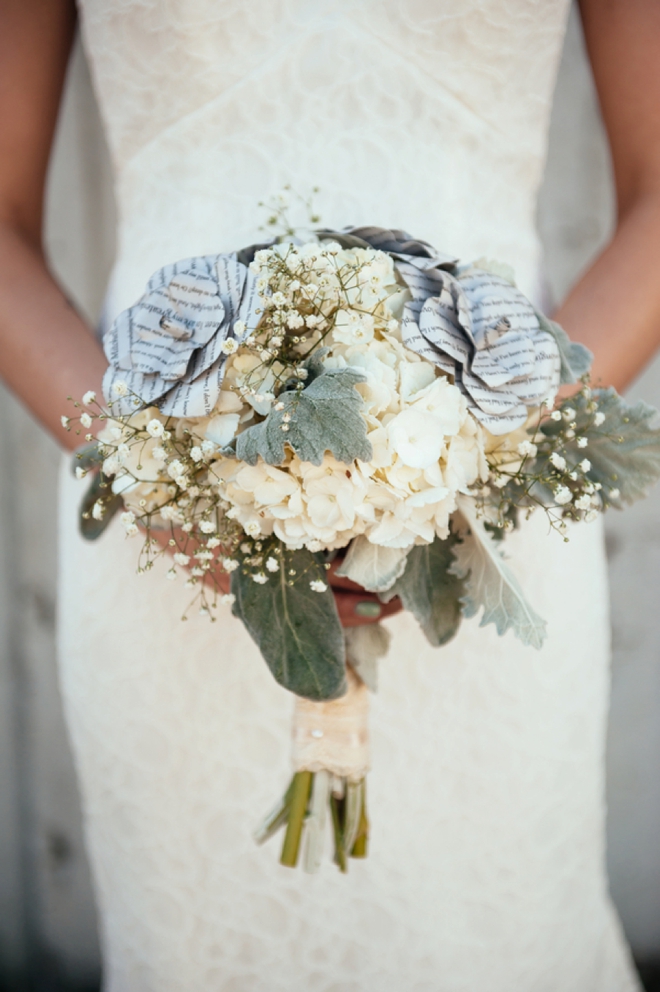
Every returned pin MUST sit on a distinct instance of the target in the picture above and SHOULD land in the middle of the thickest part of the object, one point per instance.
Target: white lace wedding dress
(486, 868)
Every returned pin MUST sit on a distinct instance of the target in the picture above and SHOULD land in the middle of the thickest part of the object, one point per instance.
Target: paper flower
(483, 331)
(170, 348)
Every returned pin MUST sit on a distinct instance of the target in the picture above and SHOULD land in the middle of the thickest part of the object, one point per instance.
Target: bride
(486, 869)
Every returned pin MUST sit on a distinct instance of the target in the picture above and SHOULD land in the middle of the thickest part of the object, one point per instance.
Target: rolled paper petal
(168, 346)
(492, 299)
(178, 298)
(334, 736)
(512, 357)
(420, 283)
(438, 324)
(482, 330)
(196, 398)
(491, 401)
(148, 388)
(543, 381)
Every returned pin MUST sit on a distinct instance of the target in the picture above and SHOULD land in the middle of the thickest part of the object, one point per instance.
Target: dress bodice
(425, 114)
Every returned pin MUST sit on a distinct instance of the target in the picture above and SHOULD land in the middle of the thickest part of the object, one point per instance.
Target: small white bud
(563, 495)
(155, 428)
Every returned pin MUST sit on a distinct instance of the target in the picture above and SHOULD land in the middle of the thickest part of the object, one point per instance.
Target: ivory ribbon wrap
(334, 736)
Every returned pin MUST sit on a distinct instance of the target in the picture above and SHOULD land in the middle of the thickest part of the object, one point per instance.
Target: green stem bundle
(295, 811)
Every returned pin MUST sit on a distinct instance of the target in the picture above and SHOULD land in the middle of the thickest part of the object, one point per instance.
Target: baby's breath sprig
(278, 221)
(550, 469)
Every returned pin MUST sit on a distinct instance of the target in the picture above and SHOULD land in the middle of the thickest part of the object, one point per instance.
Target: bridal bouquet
(358, 396)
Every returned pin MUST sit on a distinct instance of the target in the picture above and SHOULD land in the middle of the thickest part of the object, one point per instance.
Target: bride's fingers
(358, 608)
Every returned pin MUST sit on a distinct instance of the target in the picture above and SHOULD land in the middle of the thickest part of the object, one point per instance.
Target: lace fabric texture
(486, 794)
(333, 736)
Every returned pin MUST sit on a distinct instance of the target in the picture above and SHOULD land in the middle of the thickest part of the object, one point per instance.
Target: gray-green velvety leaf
(297, 630)
(575, 358)
(326, 416)
(365, 646)
(87, 457)
(373, 567)
(430, 590)
(624, 451)
(90, 528)
(489, 583)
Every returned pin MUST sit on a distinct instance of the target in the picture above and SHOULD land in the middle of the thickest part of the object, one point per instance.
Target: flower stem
(340, 853)
(301, 788)
(362, 839)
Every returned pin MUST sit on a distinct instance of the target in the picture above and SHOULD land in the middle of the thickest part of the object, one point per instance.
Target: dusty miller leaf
(373, 567)
(490, 583)
(326, 416)
(87, 457)
(430, 591)
(575, 358)
(297, 630)
(365, 646)
(89, 526)
(624, 451)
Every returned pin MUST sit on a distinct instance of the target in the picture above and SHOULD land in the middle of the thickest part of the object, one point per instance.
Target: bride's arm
(46, 350)
(615, 308)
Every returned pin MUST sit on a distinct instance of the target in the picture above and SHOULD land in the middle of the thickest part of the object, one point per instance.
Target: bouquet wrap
(334, 736)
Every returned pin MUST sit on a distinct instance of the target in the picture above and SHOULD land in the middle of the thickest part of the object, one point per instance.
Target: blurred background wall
(47, 924)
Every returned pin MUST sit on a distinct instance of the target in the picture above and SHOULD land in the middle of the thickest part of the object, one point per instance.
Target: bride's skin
(47, 352)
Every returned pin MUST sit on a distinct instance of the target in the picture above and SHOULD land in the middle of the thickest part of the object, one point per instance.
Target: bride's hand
(355, 605)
